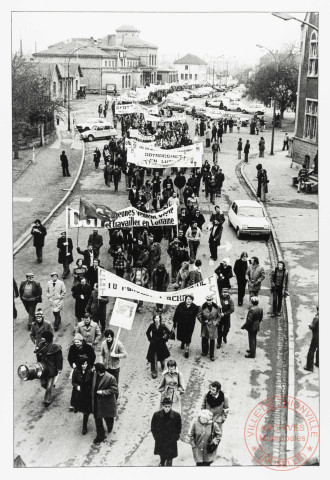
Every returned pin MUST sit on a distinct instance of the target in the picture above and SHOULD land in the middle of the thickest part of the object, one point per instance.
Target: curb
(23, 240)
(291, 343)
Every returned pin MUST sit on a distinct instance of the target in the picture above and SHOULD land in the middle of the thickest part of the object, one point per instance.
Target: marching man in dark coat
(38, 232)
(65, 164)
(184, 319)
(166, 429)
(252, 325)
(65, 253)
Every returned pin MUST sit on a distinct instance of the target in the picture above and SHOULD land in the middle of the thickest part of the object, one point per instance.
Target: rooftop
(127, 28)
(137, 42)
(67, 48)
(190, 60)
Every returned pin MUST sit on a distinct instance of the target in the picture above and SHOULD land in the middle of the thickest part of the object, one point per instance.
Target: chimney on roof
(112, 40)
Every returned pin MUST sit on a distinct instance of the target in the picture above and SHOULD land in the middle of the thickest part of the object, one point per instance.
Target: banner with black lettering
(110, 285)
(149, 156)
(124, 108)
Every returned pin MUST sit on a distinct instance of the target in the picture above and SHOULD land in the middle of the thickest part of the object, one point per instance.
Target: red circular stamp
(282, 433)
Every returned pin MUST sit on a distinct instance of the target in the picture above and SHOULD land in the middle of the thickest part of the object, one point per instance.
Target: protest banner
(154, 157)
(123, 314)
(134, 133)
(110, 285)
(127, 217)
(122, 108)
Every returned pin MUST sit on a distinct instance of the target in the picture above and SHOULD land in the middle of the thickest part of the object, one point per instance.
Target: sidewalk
(295, 219)
(42, 179)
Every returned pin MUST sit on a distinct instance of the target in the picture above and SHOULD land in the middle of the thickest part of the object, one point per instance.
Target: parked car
(90, 123)
(254, 108)
(98, 132)
(215, 102)
(236, 106)
(247, 218)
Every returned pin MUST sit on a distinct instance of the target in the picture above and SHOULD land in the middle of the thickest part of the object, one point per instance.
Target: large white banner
(128, 217)
(134, 133)
(153, 157)
(110, 285)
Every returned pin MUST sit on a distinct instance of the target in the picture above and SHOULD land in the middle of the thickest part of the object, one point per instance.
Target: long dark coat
(75, 353)
(166, 431)
(97, 307)
(62, 250)
(81, 303)
(157, 342)
(106, 404)
(184, 319)
(227, 273)
(38, 238)
(82, 400)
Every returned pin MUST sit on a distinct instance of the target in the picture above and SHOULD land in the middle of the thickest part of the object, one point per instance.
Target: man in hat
(166, 430)
(209, 317)
(39, 326)
(38, 232)
(104, 401)
(89, 330)
(65, 253)
(227, 308)
(30, 293)
(50, 354)
(252, 325)
(56, 292)
(96, 241)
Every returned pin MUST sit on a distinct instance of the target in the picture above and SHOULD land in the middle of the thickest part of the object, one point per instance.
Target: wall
(302, 147)
(199, 70)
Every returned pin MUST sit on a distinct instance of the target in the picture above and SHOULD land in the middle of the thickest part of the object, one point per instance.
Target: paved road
(246, 382)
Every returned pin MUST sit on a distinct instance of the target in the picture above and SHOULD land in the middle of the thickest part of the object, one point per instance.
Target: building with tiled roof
(122, 59)
(59, 76)
(191, 68)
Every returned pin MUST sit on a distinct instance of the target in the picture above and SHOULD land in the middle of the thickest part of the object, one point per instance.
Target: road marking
(22, 199)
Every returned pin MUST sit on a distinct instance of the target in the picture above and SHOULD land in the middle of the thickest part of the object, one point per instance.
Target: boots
(186, 353)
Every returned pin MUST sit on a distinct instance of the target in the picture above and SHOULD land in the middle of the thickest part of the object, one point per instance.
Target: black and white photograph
(166, 160)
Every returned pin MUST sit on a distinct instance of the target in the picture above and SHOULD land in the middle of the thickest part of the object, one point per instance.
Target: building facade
(305, 139)
(123, 59)
(191, 68)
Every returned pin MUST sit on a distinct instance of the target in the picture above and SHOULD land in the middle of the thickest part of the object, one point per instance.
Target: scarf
(215, 402)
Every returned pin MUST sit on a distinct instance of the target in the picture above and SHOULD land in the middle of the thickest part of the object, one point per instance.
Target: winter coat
(97, 307)
(172, 386)
(38, 329)
(119, 261)
(180, 181)
(247, 148)
(209, 320)
(285, 279)
(144, 276)
(240, 269)
(166, 429)
(81, 399)
(220, 411)
(184, 320)
(194, 277)
(62, 256)
(56, 294)
(227, 274)
(216, 238)
(76, 352)
(160, 280)
(109, 361)
(36, 292)
(96, 241)
(79, 273)
(91, 333)
(88, 258)
(105, 405)
(38, 238)
(51, 355)
(154, 256)
(253, 319)
(200, 435)
(255, 275)
(81, 303)
(157, 338)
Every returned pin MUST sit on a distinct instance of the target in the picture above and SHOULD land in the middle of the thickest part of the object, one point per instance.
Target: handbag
(211, 446)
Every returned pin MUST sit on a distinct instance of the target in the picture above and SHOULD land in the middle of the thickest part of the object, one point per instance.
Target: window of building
(311, 116)
(76, 85)
(123, 81)
(313, 61)
(54, 88)
(61, 87)
(129, 81)
(190, 76)
(186, 76)
(182, 76)
(195, 76)
(186, 67)
(141, 79)
(126, 81)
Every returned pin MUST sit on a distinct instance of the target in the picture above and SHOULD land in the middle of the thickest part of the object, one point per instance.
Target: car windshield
(255, 212)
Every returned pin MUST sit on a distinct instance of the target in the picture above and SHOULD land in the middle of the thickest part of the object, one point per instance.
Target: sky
(233, 35)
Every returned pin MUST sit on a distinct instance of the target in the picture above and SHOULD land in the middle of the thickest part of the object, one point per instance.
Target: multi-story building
(305, 139)
(123, 59)
(191, 68)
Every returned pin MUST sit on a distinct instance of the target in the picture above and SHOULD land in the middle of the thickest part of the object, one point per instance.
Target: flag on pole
(92, 210)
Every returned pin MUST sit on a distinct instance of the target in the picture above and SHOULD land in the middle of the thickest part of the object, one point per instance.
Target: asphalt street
(56, 432)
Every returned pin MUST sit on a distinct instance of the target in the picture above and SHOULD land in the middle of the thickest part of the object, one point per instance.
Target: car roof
(247, 203)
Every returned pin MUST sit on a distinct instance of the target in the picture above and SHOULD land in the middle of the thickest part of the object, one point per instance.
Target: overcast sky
(213, 34)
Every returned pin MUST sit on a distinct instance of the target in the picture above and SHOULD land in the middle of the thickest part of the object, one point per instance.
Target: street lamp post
(68, 81)
(286, 16)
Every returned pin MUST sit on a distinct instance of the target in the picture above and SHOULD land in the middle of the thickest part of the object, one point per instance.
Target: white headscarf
(227, 260)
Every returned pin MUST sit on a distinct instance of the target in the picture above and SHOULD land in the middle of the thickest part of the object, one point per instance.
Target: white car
(247, 218)
(255, 109)
(215, 102)
(237, 106)
(97, 132)
(90, 123)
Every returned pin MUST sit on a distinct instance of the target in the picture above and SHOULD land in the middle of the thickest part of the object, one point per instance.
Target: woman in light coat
(172, 385)
(203, 431)
(182, 276)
